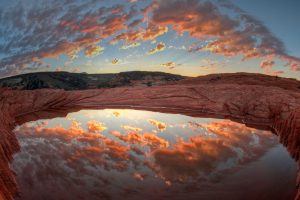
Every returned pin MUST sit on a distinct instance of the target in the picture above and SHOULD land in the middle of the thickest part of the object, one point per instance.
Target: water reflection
(127, 154)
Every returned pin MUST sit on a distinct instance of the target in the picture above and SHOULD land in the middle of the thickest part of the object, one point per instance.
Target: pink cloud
(228, 36)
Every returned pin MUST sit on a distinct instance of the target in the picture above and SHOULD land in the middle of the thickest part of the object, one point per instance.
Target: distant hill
(244, 78)
(82, 81)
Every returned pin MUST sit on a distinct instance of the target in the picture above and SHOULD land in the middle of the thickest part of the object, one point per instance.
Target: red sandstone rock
(255, 100)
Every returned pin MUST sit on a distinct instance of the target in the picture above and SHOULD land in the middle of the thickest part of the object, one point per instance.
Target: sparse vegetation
(82, 81)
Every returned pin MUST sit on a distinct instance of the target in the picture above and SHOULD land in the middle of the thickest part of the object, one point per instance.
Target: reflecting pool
(130, 154)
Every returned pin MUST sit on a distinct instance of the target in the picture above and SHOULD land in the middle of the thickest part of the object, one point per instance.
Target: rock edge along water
(256, 101)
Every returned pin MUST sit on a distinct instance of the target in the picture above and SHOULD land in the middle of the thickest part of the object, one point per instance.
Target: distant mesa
(83, 81)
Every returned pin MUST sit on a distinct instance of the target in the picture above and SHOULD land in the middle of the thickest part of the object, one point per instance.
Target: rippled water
(128, 154)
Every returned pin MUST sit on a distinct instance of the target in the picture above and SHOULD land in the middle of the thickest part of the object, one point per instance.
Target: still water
(129, 154)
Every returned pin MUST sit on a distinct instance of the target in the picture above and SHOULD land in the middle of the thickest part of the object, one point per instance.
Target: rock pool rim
(261, 103)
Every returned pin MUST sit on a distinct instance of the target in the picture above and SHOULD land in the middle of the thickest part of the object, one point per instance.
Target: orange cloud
(267, 64)
(130, 137)
(159, 47)
(133, 45)
(70, 33)
(131, 128)
(160, 125)
(150, 33)
(75, 151)
(138, 176)
(93, 31)
(116, 113)
(223, 34)
(149, 139)
(93, 51)
(94, 126)
(294, 65)
(93, 148)
(169, 65)
(154, 141)
(203, 154)
(115, 61)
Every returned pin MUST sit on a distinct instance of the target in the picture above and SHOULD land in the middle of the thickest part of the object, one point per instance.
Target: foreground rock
(255, 100)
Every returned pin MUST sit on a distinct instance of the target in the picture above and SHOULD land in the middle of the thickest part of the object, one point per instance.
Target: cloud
(160, 125)
(115, 61)
(131, 137)
(48, 31)
(93, 51)
(84, 162)
(30, 34)
(78, 161)
(201, 155)
(170, 65)
(135, 23)
(149, 139)
(197, 18)
(266, 64)
(231, 36)
(94, 126)
(82, 143)
(155, 142)
(116, 113)
(131, 128)
(159, 47)
(294, 66)
(150, 33)
(209, 64)
(138, 176)
(133, 45)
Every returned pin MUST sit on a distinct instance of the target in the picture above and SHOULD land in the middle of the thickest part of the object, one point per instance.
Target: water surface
(129, 154)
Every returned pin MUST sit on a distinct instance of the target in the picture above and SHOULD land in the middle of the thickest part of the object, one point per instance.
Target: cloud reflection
(89, 160)
(160, 125)
(226, 145)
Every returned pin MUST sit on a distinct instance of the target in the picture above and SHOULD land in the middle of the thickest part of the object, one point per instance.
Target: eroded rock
(276, 105)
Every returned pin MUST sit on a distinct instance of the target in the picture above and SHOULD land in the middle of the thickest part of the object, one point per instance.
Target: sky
(187, 37)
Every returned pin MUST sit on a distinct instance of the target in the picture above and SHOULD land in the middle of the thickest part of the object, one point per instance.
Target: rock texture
(255, 100)
(288, 131)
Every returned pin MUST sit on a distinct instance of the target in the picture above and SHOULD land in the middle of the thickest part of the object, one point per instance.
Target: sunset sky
(188, 37)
